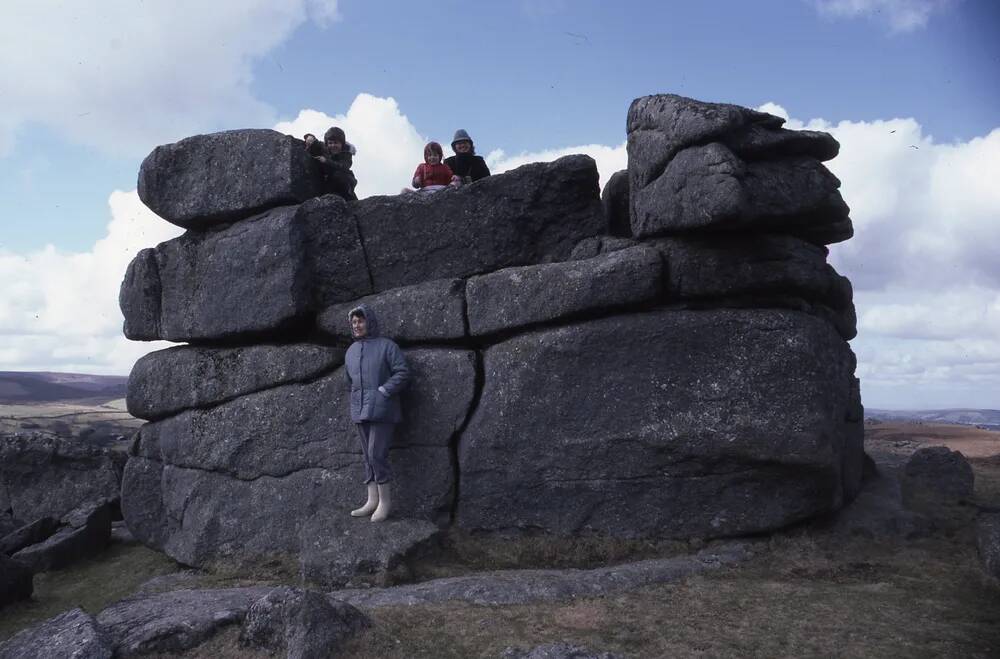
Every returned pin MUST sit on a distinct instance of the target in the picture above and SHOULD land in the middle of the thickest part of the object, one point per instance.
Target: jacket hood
(371, 320)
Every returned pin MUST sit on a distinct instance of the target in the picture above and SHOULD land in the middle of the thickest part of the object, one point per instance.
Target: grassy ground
(808, 593)
(96, 420)
(91, 585)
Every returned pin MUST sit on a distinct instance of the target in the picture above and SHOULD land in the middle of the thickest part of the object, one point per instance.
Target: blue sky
(87, 97)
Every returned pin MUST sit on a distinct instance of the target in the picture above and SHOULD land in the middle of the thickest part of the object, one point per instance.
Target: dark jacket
(338, 178)
(374, 362)
(468, 166)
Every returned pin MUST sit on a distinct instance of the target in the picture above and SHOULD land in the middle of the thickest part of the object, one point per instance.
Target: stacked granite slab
(689, 379)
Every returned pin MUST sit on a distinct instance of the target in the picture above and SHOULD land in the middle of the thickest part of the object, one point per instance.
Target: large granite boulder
(168, 381)
(937, 478)
(338, 550)
(516, 297)
(139, 297)
(667, 423)
(300, 624)
(221, 177)
(431, 311)
(238, 480)
(696, 165)
(335, 258)
(46, 476)
(70, 635)
(201, 299)
(532, 214)
(759, 270)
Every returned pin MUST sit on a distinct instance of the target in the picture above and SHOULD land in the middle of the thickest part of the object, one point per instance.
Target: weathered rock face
(936, 477)
(208, 179)
(988, 543)
(169, 381)
(174, 621)
(666, 423)
(374, 551)
(432, 311)
(533, 214)
(71, 634)
(695, 165)
(516, 297)
(199, 299)
(86, 533)
(29, 534)
(300, 624)
(670, 364)
(201, 479)
(48, 477)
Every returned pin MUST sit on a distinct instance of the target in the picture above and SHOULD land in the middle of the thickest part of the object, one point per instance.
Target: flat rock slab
(86, 534)
(533, 214)
(169, 381)
(338, 550)
(174, 621)
(221, 177)
(516, 297)
(431, 311)
(70, 635)
(759, 270)
(528, 586)
(44, 476)
(239, 479)
(29, 534)
(666, 423)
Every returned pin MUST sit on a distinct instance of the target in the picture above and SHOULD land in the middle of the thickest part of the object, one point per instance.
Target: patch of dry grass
(91, 585)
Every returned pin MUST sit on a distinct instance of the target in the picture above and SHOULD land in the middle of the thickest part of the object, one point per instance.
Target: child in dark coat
(336, 157)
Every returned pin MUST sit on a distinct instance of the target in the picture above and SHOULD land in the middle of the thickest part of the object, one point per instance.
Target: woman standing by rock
(377, 372)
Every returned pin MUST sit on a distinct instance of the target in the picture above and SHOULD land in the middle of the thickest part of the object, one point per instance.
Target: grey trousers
(375, 440)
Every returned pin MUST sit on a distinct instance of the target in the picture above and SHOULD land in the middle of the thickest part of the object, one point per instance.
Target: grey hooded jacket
(374, 365)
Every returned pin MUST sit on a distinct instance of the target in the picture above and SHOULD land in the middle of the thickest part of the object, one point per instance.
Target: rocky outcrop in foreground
(670, 363)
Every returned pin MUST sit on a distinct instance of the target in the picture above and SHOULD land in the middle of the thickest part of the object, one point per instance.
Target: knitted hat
(336, 134)
(461, 136)
(435, 148)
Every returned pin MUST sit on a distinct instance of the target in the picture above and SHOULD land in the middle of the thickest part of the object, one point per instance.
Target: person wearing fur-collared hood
(377, 372)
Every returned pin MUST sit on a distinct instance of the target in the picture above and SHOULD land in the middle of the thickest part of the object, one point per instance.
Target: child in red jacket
(432, 174)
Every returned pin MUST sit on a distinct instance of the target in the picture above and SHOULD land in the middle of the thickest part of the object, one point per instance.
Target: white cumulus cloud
(59, 310)
(120, 75)
(923, 260)
(900, 15)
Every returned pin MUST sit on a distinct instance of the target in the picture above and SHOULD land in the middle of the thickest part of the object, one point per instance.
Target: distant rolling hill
(17, 387)
(968, 417)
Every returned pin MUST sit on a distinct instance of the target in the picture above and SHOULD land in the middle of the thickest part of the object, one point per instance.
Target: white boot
(370, 505)
(383, 503)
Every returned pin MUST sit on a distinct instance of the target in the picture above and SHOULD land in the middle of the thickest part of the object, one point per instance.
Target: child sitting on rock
(336, 157)
(432, 174)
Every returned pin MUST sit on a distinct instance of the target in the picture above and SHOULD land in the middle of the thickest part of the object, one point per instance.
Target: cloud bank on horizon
(927, 289)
